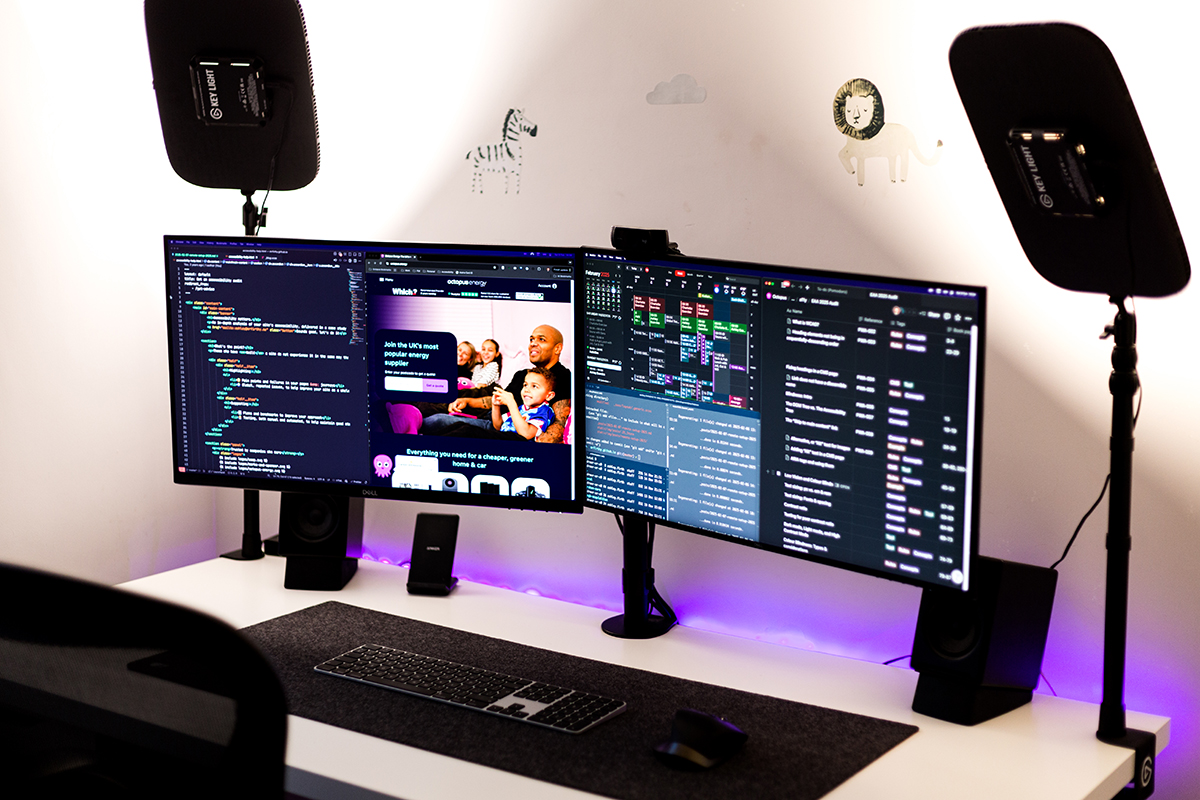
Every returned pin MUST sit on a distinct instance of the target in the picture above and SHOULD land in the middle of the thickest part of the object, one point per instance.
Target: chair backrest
(107, 693)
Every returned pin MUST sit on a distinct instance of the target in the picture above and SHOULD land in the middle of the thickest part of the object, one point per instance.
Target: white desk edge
(1046, 749)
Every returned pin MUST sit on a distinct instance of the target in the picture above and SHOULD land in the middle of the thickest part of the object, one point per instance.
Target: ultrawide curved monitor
(340, 368)
(832, 417)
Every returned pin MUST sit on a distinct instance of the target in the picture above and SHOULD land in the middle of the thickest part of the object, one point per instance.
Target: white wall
(404, 90)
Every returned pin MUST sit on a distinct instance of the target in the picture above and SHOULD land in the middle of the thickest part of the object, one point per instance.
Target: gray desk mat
(795, 750)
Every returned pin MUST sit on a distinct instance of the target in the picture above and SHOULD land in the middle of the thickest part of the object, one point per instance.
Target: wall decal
(858, 113)
(503, 157)
(681, 89)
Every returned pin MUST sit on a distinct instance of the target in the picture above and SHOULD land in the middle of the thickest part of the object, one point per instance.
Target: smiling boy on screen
(532, 416)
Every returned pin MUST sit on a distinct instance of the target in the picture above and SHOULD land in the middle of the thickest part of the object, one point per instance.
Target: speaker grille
(957, 629)
(316, 519)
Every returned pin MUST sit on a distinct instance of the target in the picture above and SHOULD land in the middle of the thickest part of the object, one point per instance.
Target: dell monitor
(832, 417)
(354, 368)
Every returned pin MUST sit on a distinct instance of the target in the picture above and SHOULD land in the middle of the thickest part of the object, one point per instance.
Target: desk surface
(1047, 749)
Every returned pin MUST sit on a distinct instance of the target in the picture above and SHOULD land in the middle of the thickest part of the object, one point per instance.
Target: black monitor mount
(252, 542)
(1070, 160)
(637, 576)
(637, 584)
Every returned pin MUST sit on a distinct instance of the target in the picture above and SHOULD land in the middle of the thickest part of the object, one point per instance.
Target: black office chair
(104, 693)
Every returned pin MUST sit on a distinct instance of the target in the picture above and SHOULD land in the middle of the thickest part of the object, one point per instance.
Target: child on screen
(532, 416)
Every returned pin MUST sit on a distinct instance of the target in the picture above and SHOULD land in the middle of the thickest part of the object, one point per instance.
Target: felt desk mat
(795, 750)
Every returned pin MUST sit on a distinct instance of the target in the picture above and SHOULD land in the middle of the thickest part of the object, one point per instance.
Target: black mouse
(699, 741)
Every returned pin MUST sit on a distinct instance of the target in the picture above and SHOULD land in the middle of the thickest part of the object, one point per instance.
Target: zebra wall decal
(503, 157)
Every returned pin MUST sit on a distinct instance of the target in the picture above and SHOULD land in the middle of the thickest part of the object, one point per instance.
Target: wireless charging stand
(432, 560)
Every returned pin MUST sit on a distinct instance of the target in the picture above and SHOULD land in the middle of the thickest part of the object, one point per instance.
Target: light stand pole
(1123, 384)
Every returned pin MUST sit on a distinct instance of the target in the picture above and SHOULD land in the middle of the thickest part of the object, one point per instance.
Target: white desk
(1047, 749)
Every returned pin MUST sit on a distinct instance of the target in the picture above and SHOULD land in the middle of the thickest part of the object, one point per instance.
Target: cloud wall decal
(680, 89)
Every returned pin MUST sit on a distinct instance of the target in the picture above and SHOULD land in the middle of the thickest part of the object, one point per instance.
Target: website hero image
(470, 385)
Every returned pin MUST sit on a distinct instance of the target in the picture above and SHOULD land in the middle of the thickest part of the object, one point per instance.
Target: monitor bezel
(315, 486)
(786, 272)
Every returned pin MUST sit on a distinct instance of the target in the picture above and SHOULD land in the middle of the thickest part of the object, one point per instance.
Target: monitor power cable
(657, 603)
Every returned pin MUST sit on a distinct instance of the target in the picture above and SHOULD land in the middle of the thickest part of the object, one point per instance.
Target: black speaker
(429, 570)
(980, 653)
(321, 537)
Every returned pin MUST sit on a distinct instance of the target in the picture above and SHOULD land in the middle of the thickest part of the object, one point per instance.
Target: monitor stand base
(647, 628)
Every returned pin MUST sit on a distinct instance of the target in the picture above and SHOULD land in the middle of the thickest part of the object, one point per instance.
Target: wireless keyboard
(472, 687)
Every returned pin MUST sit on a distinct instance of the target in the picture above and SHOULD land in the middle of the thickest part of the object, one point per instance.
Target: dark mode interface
(323, 363)
(833, 418)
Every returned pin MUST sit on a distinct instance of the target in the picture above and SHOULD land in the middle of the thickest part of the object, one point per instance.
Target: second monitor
(828, 416)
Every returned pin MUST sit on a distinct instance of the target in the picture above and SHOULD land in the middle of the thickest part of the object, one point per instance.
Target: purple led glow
(466, 570)
(854, 635)
(849, 634)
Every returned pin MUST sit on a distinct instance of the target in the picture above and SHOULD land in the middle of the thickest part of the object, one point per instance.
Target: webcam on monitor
(642, 240)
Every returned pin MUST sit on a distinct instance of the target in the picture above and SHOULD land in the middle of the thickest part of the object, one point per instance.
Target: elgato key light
(233, 82)
(1066, 149)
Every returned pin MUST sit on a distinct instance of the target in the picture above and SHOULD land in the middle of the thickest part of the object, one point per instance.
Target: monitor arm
(637, 576)
(637, 582)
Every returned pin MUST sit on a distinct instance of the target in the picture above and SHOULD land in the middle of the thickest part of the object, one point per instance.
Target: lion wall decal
(858, 113)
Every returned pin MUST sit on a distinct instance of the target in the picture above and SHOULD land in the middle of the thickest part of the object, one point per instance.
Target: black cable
(1130, 252)
(287, 120)
(1078, 527)
(656, 600)
(650, 538)
(657, 603)
(891, 661)
(1137, 411)
(1049, 685)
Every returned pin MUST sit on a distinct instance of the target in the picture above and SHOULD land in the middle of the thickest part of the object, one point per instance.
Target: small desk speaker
(432, 560)
(980, 654)
(321, 537)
